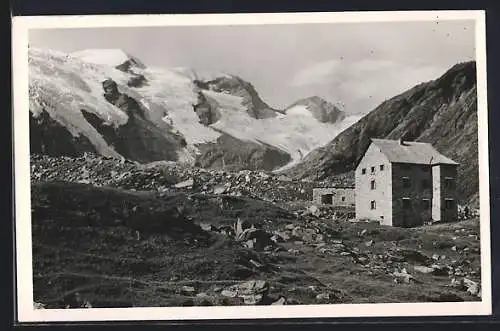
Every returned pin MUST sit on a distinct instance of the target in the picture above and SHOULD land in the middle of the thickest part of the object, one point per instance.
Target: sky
(353, 65)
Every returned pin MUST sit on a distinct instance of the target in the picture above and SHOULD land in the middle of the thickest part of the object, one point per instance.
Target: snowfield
(108, 57)
(63, 84)
(171, 96)
(297, 132)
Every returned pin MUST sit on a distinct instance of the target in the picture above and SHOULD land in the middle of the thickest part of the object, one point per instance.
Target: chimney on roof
(402, 142)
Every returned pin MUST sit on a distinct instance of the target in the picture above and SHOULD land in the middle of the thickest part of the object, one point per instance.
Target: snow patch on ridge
(109, 57)
(301, 111)
(174, 95)
(296, 133)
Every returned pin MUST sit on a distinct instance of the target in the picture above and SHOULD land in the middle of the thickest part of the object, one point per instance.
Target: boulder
(279, 237)
(188, 290)
(38, 305)
(455, 283)
(472, 287)
(252, 292)
(202, 295)
(438, 270)
(252, 299)
(259, 237)
(185, 184)
(423, 269)
(323, 298)
(414, 255)
(206, 227)
(308, 235)
(281, 301)
(230, 293)
(219, 189)
(297, 232)
(256, 264)
(249, 244)
(314, 210)
(403, 276)
(284, 178)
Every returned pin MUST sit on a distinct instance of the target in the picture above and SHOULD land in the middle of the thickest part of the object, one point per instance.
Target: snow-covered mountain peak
(202, 75)
(299, 110)
(179, 114)
(112, 57)
(317, 107)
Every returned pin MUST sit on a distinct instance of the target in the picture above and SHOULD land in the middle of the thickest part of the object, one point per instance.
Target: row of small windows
(448, 182)
(407, 183)
(403, 166)
(363, 171)
(406, 166)
(426, 204)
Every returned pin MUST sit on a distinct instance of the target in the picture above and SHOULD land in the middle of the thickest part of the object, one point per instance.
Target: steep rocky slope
(442, 112)
(109, 102)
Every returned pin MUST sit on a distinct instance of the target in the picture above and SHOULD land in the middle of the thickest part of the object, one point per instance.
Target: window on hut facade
(406, 182)
(426, 204)
(449, 182)
(373, 205)
(406, 203)
(373, 170)
(381, 167)
(363, 171)
(372, 184)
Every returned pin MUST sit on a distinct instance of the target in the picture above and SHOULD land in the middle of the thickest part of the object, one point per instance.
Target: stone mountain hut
(405, 184)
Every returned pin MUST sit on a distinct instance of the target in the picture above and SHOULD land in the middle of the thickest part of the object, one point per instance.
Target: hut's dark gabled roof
(411, 152)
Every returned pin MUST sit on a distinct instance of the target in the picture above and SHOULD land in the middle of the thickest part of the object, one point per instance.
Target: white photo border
(26, 312)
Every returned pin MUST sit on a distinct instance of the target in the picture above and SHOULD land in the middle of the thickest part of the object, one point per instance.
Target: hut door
(327, 199)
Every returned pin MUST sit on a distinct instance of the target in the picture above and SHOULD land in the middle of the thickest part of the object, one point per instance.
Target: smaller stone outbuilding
(334, 196)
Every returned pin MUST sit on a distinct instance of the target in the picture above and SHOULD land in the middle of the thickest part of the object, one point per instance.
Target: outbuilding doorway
(327, 199)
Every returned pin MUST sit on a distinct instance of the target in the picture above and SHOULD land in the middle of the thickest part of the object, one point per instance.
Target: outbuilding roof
(411, 152)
